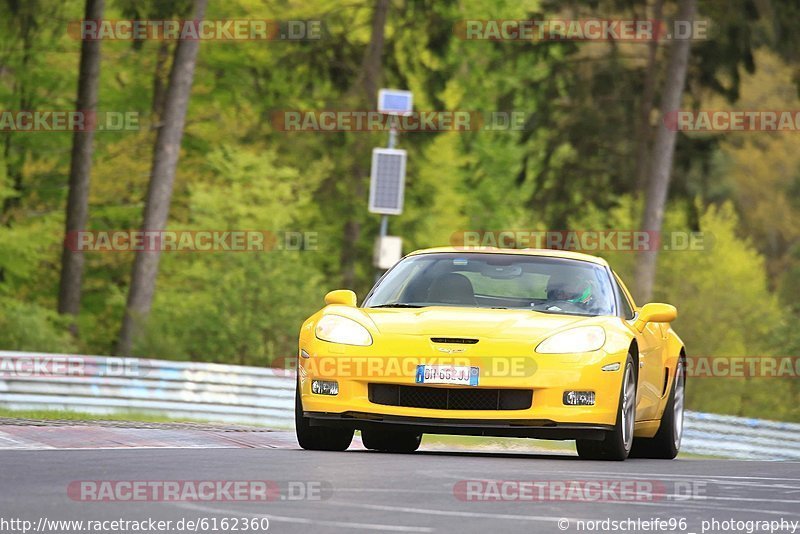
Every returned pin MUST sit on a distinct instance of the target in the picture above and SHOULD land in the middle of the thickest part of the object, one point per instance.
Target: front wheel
(617, 443)
(667, 441)
(318, 438)
(387, 440)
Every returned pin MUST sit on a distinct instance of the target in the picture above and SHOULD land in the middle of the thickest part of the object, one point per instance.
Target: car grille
(450, 398)
(458, 340)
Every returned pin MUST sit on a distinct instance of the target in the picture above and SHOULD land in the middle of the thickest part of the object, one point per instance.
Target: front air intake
(456, 340)
(450, 398)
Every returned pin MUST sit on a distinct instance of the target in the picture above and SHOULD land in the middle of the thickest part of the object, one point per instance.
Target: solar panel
(395, 101)
(387, 181)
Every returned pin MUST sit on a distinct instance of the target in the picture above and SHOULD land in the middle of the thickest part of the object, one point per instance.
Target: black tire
(667, 441)
(318, 438)
(617, 443)
(386, 440)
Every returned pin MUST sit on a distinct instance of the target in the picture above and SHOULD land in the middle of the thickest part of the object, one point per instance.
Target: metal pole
(384, 231)
(392, 142)
(384, 225)
(392, 133)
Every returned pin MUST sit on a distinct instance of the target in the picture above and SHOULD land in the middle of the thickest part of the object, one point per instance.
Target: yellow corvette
(493, 342)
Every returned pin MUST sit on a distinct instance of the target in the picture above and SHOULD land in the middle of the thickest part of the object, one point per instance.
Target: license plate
(463, 375)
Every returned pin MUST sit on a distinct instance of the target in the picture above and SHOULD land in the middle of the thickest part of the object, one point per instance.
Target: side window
(624, 304)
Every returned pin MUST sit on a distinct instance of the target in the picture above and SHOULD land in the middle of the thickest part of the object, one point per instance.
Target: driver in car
(572, 290)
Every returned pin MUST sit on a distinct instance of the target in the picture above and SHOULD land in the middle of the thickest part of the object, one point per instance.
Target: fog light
(325, 387)
(579, 398)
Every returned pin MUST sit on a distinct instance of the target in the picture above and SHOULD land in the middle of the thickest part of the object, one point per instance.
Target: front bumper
(548, 376)
(513, 428)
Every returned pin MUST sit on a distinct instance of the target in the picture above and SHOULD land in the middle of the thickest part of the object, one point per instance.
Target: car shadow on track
(476, 454)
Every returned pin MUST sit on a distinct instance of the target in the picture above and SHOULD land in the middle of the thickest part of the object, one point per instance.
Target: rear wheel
(388, 440)
(667, 441)
(318, 438)
(617, 443)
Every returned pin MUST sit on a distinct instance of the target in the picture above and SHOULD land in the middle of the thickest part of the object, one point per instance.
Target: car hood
(468, 322)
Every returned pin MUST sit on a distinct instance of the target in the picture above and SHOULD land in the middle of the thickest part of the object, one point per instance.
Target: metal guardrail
(238, 394)
(742, 438)
(102, 385)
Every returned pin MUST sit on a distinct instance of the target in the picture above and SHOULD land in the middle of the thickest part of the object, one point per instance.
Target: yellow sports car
(493, 342)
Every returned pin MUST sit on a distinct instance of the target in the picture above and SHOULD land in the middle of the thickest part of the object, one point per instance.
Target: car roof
(550, 253)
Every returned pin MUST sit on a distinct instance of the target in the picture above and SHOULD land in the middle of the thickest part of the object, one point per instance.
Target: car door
(651, 371)
(651, 344)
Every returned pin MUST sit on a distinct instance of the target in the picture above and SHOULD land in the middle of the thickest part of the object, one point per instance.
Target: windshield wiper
(397, 305)
(565, 312)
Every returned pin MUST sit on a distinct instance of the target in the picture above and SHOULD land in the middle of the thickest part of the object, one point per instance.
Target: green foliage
(725, 310)
(242, 307)
(30, 327)
(710, 286)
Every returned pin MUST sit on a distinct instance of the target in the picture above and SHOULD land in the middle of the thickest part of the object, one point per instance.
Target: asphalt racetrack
(365, 491)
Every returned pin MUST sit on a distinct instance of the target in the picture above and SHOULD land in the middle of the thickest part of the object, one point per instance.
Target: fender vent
(457, 340)
(666, 381)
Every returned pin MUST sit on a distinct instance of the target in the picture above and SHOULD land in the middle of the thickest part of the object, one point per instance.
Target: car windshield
(514, 281)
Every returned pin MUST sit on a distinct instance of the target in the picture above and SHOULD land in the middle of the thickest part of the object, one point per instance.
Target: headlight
(581, 339)
(338, 329)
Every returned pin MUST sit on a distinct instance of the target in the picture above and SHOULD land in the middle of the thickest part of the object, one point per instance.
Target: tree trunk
(69, 295)
(159, 192)
(372, 64)
(159, 87)
(663, 152)
(366, 84)
(644, 131)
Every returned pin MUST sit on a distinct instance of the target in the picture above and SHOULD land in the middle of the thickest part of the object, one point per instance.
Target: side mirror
(342, 296)
(655, 312)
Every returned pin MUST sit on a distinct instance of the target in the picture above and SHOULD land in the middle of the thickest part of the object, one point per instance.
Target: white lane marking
(693, 476)
(671, 500)
(779, 513)
(672, 497)
(42, 447)
(679, 501)
(731, 484)
(633, 476)
(455, 513)
(697, 504)
(693, 504)
(447, 491)
(678, 498)
(668, 497)
(8, 442)
(306, 521)
(671, 504)
(617, 474)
